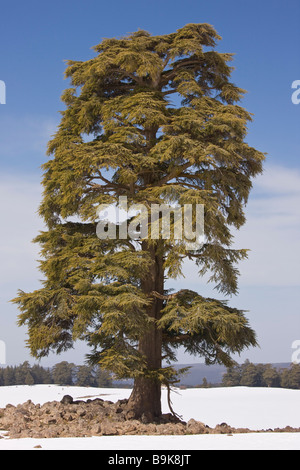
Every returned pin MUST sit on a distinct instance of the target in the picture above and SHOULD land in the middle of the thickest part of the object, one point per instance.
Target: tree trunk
(145, 399)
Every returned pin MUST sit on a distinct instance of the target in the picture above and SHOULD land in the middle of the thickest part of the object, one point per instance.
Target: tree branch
(168, 296)
(174, 173)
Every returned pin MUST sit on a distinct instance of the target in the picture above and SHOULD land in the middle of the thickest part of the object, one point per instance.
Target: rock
(96, 430)
(130, 414)
(52, 421)
(97, 417)
(130, 427)
(196, 427)
(108, 429)
(69, 417)
(222, 428)
(66, 400)
(81, 411)
(98, 401)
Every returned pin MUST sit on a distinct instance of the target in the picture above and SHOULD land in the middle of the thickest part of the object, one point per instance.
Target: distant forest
(262, 375)
(65, 373)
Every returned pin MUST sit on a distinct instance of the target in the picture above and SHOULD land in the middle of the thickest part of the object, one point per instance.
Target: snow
(254, 408)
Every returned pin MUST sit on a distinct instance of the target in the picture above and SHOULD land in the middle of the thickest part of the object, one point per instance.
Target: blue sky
(37, 37)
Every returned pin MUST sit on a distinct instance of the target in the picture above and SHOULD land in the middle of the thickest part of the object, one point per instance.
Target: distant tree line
(262, 375)
(63, 373)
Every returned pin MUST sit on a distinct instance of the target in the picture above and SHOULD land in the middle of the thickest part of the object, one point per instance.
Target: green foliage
(63, 373)
(262, 375)
(290, 378)
(24, 374)
(123, 134)
(251, 376)
(205, 327)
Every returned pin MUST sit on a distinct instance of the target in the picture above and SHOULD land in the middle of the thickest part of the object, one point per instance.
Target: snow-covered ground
(254, 408)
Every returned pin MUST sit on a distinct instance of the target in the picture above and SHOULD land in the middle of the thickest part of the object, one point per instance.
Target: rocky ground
(69, 418)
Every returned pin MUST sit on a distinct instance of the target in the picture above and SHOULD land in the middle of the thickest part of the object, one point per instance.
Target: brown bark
(145, 399)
